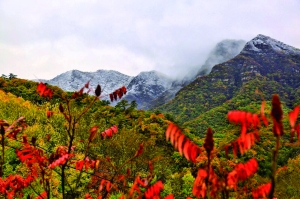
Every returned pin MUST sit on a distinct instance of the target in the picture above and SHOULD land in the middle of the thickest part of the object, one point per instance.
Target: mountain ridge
(226, 79)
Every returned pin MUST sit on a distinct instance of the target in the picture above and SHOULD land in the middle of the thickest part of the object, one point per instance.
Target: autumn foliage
(106, 178)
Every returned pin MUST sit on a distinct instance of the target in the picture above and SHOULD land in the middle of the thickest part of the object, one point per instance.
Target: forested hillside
(133, 141)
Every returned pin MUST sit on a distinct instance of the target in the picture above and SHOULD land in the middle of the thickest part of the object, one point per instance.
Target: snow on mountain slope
(73, 80)
(265, 44)
(147, 86)
(143, 88)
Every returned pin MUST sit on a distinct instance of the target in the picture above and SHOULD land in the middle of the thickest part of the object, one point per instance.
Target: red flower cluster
(32, 157)
(246, 141)
(44, 91)
(154, 190)
(190, 150)
(59, 158)
(86, 163)
(109, 132)
(60, 161)
(42, 195)
(140, 150)
(199, 188)
(135, 187)
(103, 183)
(14, 184)
(242, 172)
(247, 120)
(171, 196)
(49, 113)
(244, 118)
(79, 93)
(88, 196)
(93, 132)
(118, 93)
(262, 191)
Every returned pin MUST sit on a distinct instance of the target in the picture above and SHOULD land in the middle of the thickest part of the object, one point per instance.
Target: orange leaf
(293, 115)
(186, 149)
(169, 130)
(180, 143)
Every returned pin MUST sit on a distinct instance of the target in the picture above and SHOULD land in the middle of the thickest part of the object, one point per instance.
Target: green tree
(3, 76)
(12, 76)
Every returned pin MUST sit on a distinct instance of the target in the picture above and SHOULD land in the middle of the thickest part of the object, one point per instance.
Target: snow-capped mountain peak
(263, 44)
(147, 86)
(73, 80)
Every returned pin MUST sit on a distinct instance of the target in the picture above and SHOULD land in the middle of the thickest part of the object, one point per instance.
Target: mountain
(264, 64)
(143, 88)
(147, 86)
(73, 80)
(223, 51)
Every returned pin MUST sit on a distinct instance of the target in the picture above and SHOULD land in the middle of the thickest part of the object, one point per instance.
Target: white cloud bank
(46, 38)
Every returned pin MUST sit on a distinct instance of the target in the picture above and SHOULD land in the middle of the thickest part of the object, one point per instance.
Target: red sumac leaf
(124, 90)
(140, 150)
(171, 196)
(174, 135)
(111, 97)
(262, 191)
(93, 132)
(180, 143)
(170, 128)
(194, 152)
(293, 115)
(49, 113)
(87, 84)
(115, 95)
(199, 188)
(186, 149)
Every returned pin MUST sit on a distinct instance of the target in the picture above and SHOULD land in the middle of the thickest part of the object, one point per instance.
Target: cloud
(47, 38)
(47, 59)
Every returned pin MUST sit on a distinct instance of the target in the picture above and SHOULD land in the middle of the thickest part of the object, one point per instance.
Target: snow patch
(260, 41)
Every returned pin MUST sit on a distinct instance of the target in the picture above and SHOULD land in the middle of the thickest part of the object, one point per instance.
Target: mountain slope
(143, 88)
(74, 80)
(262, 58)
(222, 52)
(147, 86)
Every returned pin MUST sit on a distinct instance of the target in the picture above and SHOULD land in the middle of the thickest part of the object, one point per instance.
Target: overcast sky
(41, 38)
